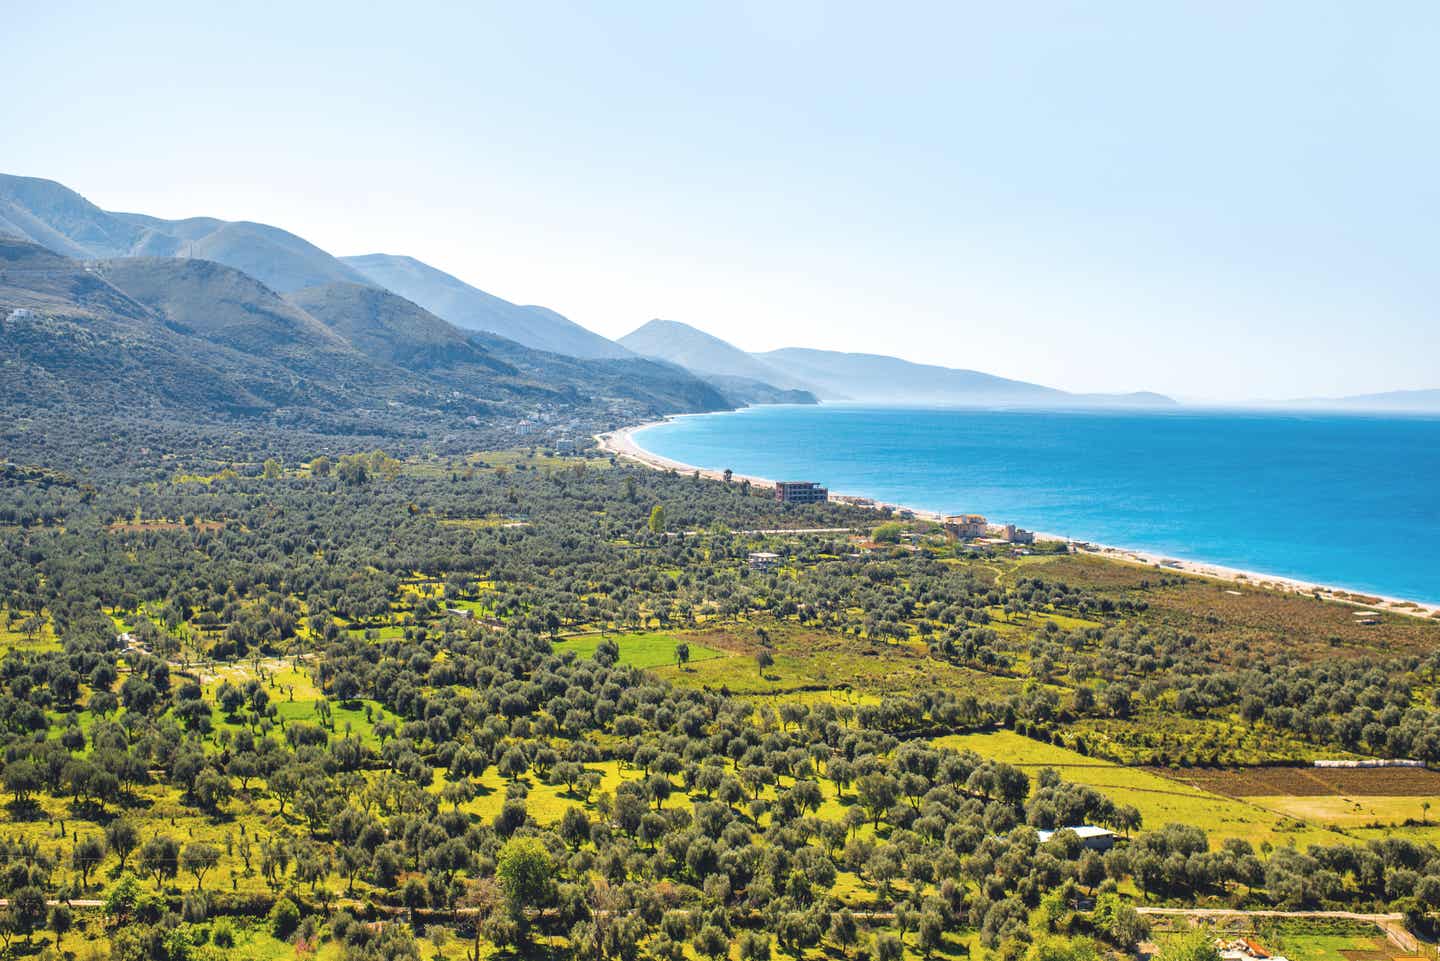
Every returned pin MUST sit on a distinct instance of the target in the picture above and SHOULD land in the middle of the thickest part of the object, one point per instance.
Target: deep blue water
(1346, 500)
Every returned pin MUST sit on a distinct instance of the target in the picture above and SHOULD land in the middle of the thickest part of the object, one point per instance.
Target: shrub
(284, 918)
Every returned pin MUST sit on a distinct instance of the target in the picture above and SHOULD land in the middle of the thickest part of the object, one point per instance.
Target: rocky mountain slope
(184, 339)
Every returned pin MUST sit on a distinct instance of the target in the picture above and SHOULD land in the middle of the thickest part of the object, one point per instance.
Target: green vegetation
(1159, 800)
(643, 649)
(429, 706)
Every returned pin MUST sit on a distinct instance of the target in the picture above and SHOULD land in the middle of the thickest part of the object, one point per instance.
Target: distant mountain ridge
(275, 257)
(704, 353)
(393, 332)
(390, 328)
(1403, 401)
(196, 340)
(57, 218)
(473, 309)
(837, 376)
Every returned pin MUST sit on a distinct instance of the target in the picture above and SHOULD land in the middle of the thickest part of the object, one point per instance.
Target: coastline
(621, 443)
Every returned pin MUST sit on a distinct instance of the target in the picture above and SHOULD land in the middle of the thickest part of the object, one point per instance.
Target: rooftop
(1083, 831)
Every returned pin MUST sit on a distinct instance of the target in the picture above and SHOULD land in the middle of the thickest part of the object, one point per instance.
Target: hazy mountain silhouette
(834, 375)
(473, 309)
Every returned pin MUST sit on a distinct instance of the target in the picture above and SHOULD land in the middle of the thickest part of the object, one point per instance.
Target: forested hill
(56, 217)
(184, 340)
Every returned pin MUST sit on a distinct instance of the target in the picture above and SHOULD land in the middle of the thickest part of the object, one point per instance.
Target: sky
(1216, 200)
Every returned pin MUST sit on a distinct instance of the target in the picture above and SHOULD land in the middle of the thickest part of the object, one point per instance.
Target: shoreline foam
(621, 443)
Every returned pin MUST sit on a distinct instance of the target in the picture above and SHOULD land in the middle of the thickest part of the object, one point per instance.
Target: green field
(1351, 812)
(1327, 947)
(1160, 800)
(645, 650)
(780, 754)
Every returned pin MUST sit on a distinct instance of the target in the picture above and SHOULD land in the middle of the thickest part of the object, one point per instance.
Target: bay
(1346, 500)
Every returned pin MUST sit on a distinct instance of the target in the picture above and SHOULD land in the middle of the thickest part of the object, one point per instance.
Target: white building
(763, 560)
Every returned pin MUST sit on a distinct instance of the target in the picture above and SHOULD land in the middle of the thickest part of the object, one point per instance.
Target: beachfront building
(965, 526)
(763, 560)
(1012, 534)
(801, 492)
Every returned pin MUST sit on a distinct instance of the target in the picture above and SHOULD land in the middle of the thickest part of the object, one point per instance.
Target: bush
(194, 908)
(284, 918)
(223, 936)
(887, 947)
(887, 533)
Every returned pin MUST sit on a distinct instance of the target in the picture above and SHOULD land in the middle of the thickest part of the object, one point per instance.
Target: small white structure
(763, 560)
(1245, 949)
(1372, 762)
(1092, 837)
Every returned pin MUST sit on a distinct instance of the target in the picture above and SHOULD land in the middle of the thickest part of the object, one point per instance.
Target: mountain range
(874, 378)
(168, 337)
(257, 319)
(473, 309)
(260, 290)
(56, 217)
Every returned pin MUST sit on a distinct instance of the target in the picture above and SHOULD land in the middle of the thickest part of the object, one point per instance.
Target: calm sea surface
(1346, 500)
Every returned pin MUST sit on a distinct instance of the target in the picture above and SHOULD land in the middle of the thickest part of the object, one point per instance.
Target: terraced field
(1383, 800)
(1312, 781)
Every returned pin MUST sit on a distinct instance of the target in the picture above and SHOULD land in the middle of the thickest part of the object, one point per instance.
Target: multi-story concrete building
(966, 525)
(1013, 534)
(801, 492)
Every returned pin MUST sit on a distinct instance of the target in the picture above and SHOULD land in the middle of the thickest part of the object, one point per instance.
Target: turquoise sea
(1345, 500)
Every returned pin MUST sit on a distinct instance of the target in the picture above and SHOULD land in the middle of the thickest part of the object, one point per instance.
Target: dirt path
(1393, 925)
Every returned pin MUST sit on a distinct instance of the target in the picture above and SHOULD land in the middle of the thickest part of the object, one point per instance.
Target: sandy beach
(621, 443)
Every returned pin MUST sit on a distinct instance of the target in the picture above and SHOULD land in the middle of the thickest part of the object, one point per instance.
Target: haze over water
(1340, 499)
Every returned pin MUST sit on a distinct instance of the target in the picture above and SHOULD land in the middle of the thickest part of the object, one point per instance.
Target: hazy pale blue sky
(1216, 200)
